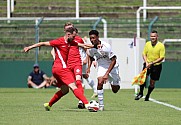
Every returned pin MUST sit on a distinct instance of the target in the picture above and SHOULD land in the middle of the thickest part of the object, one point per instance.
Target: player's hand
(85, 61)
(101, 81)
(26, 49)
(88, 70)
(105, 78)
(94, 64)
(99, 46)
(88, 46)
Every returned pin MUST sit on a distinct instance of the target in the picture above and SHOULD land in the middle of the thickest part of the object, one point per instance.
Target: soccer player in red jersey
(60, 70)
(74, 61)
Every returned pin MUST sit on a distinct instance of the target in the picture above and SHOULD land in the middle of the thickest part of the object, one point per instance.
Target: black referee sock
(150, 89)
(141, 89)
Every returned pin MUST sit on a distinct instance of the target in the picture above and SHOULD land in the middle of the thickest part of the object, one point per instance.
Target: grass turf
(20, 106)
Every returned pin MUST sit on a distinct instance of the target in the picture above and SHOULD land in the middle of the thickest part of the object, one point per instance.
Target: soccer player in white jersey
(85, 75)
(107, 66)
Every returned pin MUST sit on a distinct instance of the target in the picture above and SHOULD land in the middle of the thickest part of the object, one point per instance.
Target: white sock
(100, 94)
(92, 84)
(80, 101)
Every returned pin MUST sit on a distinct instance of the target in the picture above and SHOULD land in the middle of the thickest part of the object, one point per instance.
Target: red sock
(78, 93)
(79, 85)
(56, 97)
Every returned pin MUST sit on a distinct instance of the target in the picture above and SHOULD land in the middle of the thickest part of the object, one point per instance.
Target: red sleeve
(56, 42)
(74, 43)
(79, 39)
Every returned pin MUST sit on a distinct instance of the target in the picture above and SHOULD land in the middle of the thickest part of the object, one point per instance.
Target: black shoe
(147, 98)
(139, 96)
(81, 106)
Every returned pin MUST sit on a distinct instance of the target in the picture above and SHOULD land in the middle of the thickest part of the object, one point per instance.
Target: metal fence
(16, 34)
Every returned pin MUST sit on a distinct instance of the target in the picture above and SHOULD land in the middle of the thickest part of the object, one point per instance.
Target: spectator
(37, 78)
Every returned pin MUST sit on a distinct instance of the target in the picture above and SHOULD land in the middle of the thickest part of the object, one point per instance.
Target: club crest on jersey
(78, 70)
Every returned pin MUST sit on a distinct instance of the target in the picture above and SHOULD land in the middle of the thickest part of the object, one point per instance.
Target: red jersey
(74, 54)
(61, 47)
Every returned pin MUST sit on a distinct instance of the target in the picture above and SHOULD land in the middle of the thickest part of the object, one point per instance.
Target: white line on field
(165, 104)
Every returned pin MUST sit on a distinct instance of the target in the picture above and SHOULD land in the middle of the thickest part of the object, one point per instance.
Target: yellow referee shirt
(154, 52)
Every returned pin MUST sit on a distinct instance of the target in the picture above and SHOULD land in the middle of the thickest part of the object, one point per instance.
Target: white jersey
(103, 54)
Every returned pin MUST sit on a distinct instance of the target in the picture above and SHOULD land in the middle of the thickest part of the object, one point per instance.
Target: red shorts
(77, 70)
(63, 76)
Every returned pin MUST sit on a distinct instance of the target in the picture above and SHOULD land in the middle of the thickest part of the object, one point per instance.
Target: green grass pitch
(23, 106)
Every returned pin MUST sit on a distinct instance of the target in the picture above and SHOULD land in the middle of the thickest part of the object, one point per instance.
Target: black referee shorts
(154, 71)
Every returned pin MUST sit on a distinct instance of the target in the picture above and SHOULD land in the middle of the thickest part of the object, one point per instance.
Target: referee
(153, 55)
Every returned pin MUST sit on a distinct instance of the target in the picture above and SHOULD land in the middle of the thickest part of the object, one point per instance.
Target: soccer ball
(93, 106)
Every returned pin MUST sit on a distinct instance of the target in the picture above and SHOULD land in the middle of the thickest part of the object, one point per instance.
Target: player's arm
(26, 49)
(89, 63)
(111, 66)
(86, 46)
(53, 53)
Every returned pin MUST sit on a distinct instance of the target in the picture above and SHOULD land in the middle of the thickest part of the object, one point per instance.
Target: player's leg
(68, 78)
(80, 86)
(100, 93)
(57, 73)
(63, 91)
(78, 93)
(114, 79)
(78, 77)
(89, 80)
(92, 84)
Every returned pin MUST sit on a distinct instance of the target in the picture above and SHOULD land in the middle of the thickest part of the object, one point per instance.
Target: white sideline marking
(165, 104)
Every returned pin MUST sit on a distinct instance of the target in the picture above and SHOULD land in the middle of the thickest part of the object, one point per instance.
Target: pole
(8, 10)
(135, 60)
(152, 8)
(77, 8)
(105, 27)
(12, 5)
(36, 40)
(150, 26)
(37, 23)
(144, 10)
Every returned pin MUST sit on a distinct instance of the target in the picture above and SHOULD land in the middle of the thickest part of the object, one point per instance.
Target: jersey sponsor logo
(101, 57)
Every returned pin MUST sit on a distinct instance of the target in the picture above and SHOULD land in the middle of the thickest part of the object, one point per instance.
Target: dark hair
(154, 31)
(76, 30)
(94, 32)
(71, 30)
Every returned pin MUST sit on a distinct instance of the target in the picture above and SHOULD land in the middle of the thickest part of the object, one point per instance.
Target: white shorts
(114, 78)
